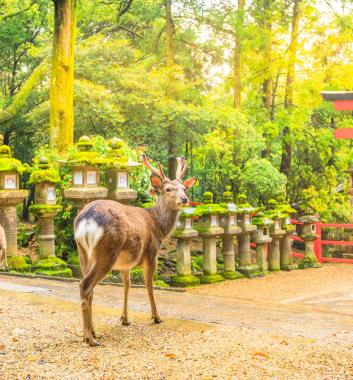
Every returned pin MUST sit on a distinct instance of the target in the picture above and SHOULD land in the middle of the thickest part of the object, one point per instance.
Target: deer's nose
(184, 199)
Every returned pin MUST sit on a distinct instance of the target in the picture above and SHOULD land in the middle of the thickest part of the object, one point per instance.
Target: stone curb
(22, 275)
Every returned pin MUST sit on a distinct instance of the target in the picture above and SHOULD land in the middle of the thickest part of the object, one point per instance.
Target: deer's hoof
(157, 320)
(91, 341)
(125, 321)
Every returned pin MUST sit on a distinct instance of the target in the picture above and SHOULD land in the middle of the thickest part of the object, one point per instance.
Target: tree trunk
(288, 101)
(62, 75)
(172, 148)
(238, 52)
(267, 54)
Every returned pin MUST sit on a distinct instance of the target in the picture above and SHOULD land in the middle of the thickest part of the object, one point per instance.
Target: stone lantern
(309, 236)
(276, 233)
(286, 243)
(10, 197)
(45, 208)
(262, 238)
(246, 267)
(184, 232)
(85, 175)
(117, 176)
(228, 221)
(209, 229)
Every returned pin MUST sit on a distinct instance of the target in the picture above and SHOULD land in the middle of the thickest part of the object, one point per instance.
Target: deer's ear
(190, 182)
(156, 182)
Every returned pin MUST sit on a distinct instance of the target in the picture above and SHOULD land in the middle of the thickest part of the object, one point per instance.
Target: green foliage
(261, 181)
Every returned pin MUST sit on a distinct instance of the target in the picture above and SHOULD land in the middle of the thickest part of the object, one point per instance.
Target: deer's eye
(168, 189)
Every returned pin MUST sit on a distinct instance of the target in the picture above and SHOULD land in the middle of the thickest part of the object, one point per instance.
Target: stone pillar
(286, 254)
(246, 267)
(309, 236)
(274, 263)
(184, 233)
(261, 237)
(46, 235)
(210, 255)
(8, 219)
(261, 256)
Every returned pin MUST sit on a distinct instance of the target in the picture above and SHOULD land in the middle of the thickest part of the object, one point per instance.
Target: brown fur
(132, 236)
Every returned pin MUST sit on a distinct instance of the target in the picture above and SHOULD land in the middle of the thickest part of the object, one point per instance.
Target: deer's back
(121, 231)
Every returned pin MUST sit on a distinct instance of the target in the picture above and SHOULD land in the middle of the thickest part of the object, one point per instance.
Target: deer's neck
(165, 218)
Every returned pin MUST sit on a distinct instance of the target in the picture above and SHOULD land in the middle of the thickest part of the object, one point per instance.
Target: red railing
(319, 242)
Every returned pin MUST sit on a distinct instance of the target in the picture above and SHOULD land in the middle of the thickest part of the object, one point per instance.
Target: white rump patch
(88, 234)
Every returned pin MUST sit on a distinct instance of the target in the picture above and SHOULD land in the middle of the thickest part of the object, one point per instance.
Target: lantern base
(232, 275)
(289, 267)
(184, 281)
(309, 262)
(211, 278)
(250, 271)
(17, 263)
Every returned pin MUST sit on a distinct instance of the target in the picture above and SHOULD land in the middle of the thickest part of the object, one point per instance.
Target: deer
(111, 235)
(3, 246)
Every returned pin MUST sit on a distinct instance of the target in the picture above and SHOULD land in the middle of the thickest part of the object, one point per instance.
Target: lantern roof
(7, 162)
(261, 220)
(44, 173)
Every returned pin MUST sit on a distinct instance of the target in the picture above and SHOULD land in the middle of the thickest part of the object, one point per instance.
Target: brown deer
(3, 260)
(110, 235)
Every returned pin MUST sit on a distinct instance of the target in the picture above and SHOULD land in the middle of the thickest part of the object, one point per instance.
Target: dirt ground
(40, 331)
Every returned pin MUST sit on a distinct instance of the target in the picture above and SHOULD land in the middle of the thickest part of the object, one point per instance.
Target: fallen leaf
(260, 355)
(170, 356)
(285, 342)
(14, 339)
(2, 346)
(31, 358)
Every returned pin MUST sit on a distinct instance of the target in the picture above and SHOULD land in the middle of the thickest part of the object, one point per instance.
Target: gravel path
(40, 331)
(285, 286)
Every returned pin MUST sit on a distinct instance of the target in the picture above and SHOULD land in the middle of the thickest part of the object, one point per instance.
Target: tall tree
(286, 158)
(62, 75)
(238, 52)
(172, 148)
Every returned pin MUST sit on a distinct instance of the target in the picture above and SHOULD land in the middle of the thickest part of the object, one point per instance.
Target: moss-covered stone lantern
(209, 229)
(118, 173)
(85, 165)
(286, 243)
(276, 233)
(10, 196)
(228, 221)
(262, 238)
(246, 267)
(45, 208)
(184, 232)
(309, 235)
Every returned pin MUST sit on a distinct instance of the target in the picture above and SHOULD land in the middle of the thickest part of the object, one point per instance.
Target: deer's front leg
(149, 268)
(127, 283)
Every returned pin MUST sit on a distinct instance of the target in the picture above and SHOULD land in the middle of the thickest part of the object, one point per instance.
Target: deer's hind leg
(96, 273)
(149, 267)
(127, 283)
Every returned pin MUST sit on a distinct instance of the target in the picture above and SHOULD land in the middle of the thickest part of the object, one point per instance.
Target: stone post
(309, 236)
(184, 232)
(286, 246)
(117, 177)
(85, 175)
(45, 208)
(262, 239)
(274, 254)
(228, 222)
(10, 197)
(246, 267)
(208, 228)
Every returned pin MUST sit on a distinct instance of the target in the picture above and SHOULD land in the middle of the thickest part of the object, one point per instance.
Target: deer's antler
(157, 172)
(181, 168)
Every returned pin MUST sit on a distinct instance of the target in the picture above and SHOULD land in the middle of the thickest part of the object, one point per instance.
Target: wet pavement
(326, 317)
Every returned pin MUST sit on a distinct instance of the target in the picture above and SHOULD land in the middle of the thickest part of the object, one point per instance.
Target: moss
(207, 197)
(232, 275)
(8, 164)
(250, 270)
(160, 284)
(49, 263)
(211, 278)
(65, 273)
(18, 263)
(42, 209)
(309, 262)
(47, 175)
(184, 281)
(137, 276)
(74, 260)
(208, 209)
(27, 259)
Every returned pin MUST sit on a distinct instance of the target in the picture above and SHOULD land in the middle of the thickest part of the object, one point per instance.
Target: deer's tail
(87, 234)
